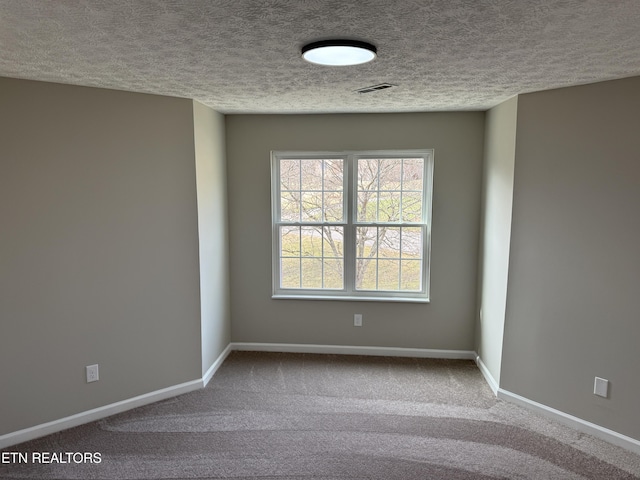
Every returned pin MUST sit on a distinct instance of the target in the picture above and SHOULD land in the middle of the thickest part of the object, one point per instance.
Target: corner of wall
(495, 235)
(213, 236)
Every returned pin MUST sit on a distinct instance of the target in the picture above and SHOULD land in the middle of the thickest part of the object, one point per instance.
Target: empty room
(319, 240)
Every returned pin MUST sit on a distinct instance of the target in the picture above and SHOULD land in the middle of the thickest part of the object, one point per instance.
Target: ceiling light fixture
(339, 52)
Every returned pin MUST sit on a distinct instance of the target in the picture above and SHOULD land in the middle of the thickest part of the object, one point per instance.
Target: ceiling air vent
(375, 88)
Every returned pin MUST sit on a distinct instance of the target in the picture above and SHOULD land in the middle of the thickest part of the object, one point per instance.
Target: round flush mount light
(339, 52)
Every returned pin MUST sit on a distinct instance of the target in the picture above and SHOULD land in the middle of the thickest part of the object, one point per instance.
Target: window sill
(352, 299)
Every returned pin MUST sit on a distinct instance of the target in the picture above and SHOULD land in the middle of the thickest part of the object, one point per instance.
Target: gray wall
(448, 321)
(572, 307)
(211, 177)
(99, 248)
(495, 234)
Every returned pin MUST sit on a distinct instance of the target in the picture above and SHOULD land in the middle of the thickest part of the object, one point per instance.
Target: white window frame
(349, 291)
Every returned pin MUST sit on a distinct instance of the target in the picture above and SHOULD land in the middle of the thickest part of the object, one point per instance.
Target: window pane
(333, 207)
(379, 251)
(366, 258)
(333, 273)
(412, 184)
(290, 174)
(390, 173)
(412, 242)
(290, 273)
(311, 190)
(333, 174)
(290, 206)
(367, 206)
(311, 207)
(412, 173)
(333, 263)
(312, 257)
(366, 242)
(389, 207)
(311, 241)
(390, 190)
(289, 241)
(412, 207)
(388, 274)
(367, 194)
(367, 274)
(311, 272)
(389, 241)
(367, 174)
(311, 174)
(411, 278)
(333, 238)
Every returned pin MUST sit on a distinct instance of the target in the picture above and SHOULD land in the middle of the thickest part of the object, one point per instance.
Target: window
(352, 225)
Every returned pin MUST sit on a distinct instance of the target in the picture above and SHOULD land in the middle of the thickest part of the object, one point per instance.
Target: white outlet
(92, 373)
(357, 320)
(601, 387)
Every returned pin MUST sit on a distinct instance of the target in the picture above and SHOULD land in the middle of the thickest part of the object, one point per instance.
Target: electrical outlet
(357, 320)
(92, 373)
(601, 387)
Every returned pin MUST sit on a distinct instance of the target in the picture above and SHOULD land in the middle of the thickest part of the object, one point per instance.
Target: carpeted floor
(330, 417)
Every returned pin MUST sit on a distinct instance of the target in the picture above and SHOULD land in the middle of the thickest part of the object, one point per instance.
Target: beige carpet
(330, 417)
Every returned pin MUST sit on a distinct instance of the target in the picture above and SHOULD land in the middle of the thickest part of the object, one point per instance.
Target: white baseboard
(353, 350)
(81, 418)
(576, 423)
(96, 413)
(487, 374)
(206, 378)
(579, 424)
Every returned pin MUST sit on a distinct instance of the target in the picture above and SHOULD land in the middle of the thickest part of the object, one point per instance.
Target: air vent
(375, 88)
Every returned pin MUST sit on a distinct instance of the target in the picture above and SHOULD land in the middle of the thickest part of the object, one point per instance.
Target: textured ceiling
(243, 56)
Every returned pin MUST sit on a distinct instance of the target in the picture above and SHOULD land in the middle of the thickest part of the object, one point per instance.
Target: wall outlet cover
(601, 387)
(92, 373)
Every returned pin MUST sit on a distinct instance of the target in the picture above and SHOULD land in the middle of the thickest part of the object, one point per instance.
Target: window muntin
(352, 224)
(311, 257)
(311, 190)
(389, 258)
(310, 217)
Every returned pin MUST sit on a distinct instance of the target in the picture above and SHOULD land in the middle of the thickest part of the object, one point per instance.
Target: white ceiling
(243, 56)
